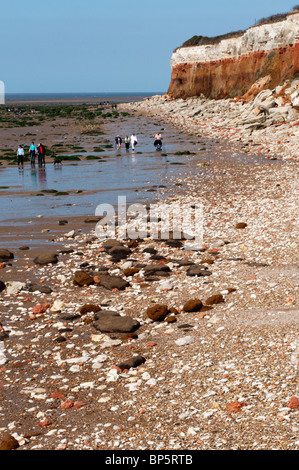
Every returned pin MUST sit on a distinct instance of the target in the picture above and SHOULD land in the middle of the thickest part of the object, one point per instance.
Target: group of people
(127, 141)
(34, 151)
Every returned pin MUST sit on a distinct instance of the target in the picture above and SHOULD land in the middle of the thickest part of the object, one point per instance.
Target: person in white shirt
(20, 154)
(134, 141)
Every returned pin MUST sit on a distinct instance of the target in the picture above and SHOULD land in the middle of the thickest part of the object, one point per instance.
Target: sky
(104, 46)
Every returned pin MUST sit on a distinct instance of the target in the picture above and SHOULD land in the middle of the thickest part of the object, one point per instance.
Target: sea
(119, 97)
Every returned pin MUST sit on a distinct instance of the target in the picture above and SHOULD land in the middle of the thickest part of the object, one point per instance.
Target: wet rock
(134, 361)
(193, 305)
(46, 258)
(109, 321)
(214, 299)
(82, 279)
(157, 312)
(8, 442)
(5, 254)
(2, 286)
(62, 222)
(111, 282)
(89, 308)
(24, 248)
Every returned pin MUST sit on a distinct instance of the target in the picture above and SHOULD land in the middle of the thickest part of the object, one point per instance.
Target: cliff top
(205, 40)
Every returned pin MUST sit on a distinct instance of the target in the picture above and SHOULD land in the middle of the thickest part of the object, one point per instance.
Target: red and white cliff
(264, 56)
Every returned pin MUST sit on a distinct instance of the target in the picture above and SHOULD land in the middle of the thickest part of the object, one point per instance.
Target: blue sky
(109, 45)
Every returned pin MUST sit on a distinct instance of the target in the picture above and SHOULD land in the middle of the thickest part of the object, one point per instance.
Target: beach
(157, 343)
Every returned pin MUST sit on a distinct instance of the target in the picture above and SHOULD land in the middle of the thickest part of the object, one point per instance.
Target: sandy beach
(161, 344)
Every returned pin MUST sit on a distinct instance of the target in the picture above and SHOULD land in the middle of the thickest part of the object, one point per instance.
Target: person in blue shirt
(32, 151)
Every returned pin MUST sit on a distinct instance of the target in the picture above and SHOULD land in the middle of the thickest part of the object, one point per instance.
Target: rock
(14, 287)
(70, 234)
(293, 403)
(89, 308)
(47, 258)
(2, 286)
(235, 406)
(119, 252)
(156, 270)
(135, 361)
(131, 271)
(82, 279)
(241, 225)
(5, 255)
(57, 306)
(112, 282)
(111, 243)
(184, 341)
(40, 288)
(40, 308)
(8, 442)
(193, 305)
(24, 248)
(214, 299)
(198, 270)
(157, 312)
(109, 321)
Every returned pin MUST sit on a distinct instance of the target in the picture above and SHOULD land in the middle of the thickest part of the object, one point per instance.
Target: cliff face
(265, 56)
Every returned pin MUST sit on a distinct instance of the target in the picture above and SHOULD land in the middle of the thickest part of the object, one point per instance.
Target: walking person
(118, 142)
(42, 152)
(134, 141)
(32, 151)
(127, 142)
(20, 154)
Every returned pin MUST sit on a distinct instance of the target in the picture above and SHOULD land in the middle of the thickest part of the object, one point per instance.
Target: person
(20, 154)
(158, 140)
(127, 142)
(118, 142)
(41, 153)
(134, 141)
(32, 151)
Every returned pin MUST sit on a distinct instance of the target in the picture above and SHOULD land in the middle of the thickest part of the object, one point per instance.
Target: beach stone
(198, 270)
(119, 252)
(8, 442)
(157, 312)
(5, 254)
(241, 225)
(46, 258)
(41, 288)
(2, 286)
(14, 287)
(156, 270)
(111, 243)
(293, 403)
(131, 271)
(89, 308)
(214, 299)
(112, 282)
(82, 279)
(134, 361)
(109, 321)
(24, 248)
(193, 305)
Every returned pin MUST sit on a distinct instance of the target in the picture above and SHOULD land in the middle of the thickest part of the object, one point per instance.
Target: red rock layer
(234, 77)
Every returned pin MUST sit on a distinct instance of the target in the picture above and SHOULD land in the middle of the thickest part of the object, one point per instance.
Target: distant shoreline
(43, 98)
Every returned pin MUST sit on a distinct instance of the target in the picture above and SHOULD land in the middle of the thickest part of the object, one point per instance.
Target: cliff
(264, 56)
